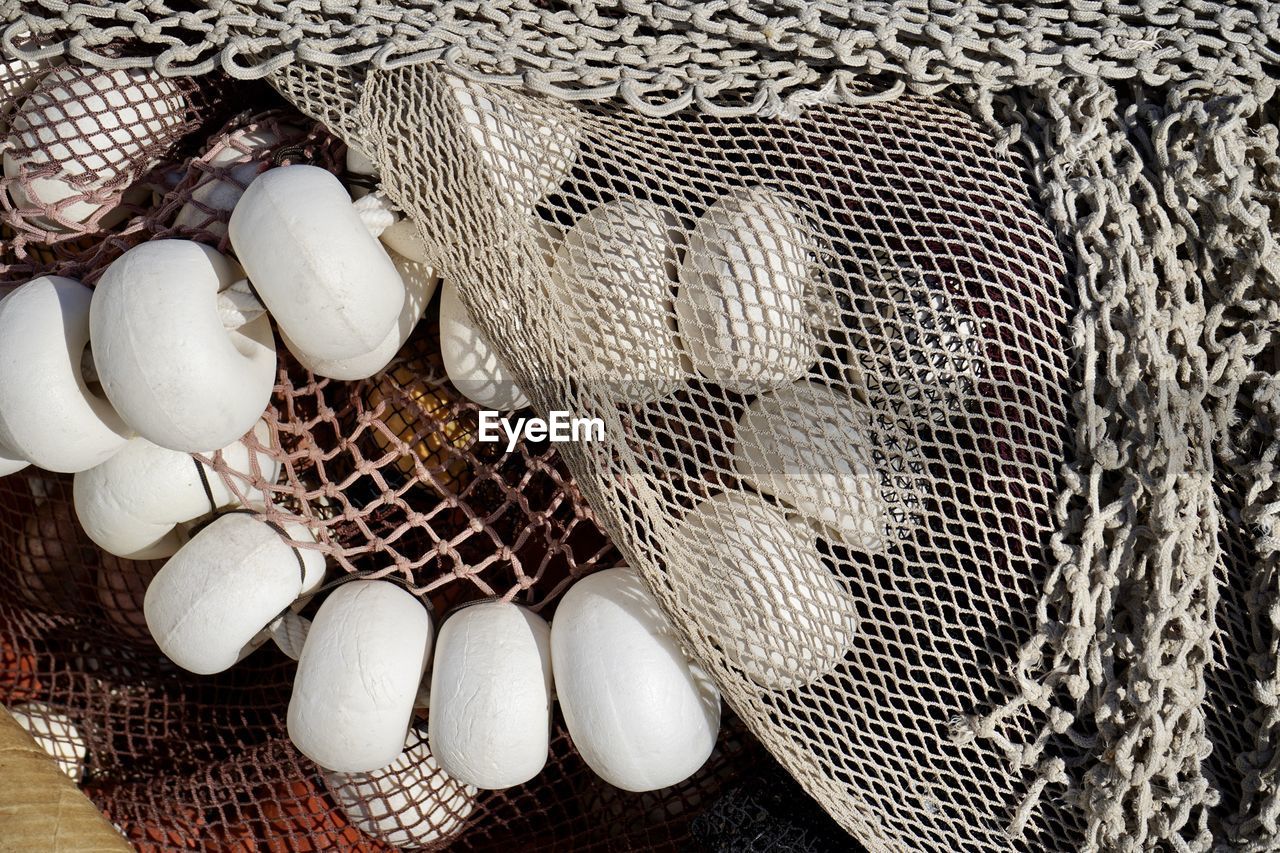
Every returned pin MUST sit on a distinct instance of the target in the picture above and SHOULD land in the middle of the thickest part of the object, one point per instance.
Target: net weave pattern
(726, 56)
(1043, 272)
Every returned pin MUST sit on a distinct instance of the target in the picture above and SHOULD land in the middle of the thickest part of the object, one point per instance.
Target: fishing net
(933, 349)
(390, 476)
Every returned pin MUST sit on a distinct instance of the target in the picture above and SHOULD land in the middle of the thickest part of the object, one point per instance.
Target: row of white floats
(181, 351)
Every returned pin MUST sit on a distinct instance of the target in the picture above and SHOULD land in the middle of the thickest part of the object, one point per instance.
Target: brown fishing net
(389, 474)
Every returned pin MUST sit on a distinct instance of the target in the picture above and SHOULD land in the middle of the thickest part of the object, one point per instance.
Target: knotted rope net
(943, 426)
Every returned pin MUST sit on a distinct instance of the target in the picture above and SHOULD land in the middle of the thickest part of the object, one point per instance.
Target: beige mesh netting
(848, 512)
(934, 349)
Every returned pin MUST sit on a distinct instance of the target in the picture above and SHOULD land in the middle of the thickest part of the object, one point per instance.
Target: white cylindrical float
(612, 273)
(781, 616)
(812, 448)
(175, 373)
(360, 163)
(401, 238)
(411, 803)
(490, 717)
(48, 414)
(326, 280)
(80, 131)
(420, 282)
(19, 77)
(469, 360)
(524, 155)
(210, 604)
(56, 733)
(358, 677)
(741, 304)
(238, 161)
(642, 716)
(11, 463)
(132, 504)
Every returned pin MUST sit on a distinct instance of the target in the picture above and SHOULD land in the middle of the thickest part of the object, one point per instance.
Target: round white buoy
(491, 695)
(239, 159)
(358, 676)
(642, 716)
(420, 282)
(524, 156)
(132, 504)
(779, 613)
(741, 304)
(175, 373)
(611, 271)
(410, 803)
(469, 360)
(211, 603)
(11, 463)
(48, 413)
(56, 734)
(79, 131)
(326, 280)
(811, 447)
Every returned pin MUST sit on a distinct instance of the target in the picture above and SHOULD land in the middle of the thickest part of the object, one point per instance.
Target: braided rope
(724, 57)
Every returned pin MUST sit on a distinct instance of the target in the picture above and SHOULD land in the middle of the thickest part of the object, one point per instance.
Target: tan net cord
(723, 58)
(848, 762)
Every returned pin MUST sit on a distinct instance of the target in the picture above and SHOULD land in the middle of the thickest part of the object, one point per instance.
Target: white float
(811, 447)
(360, 163)
(10, 463)
(132, 504)
(469, 360)
(86, 128)
(326, 280)
(237, 162)
(358, 677)
(411, 803)
(741, 304)
(642, 716)
(56, 734)
(491, 695)
(19, 77)
(758, 581)
(48, 414)
(525, 156)
(175, 373)
(402, 237)
(420, 282)
(211, 603)
(611, 272)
